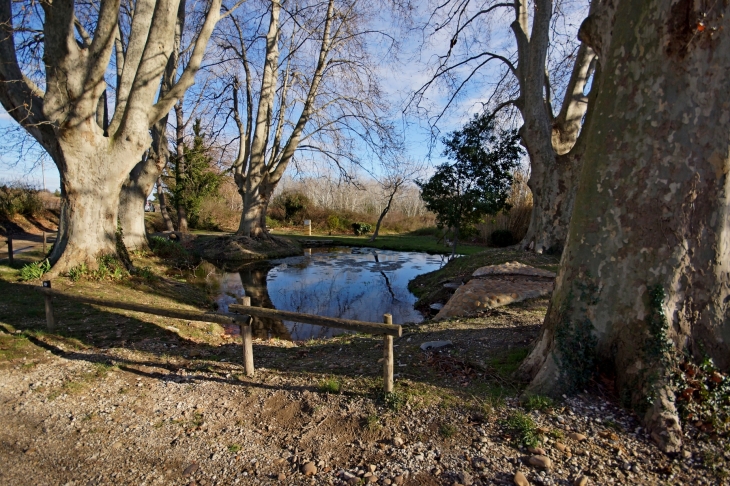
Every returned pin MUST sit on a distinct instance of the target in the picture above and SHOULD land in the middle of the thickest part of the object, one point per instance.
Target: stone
(537, 450)
(543, 430)
(577, 436)
(562, 447)
(372, 467)
(399, 479)
(435, 345)
(398, 441)
(309, 469)
(373, 479)
(520, 479)
(513, 268)
(580, 481)
(465, 478)
(190, 469)
(543, 462)
(281, 477)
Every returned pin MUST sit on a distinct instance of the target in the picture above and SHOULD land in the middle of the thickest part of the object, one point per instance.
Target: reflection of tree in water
(253, 279)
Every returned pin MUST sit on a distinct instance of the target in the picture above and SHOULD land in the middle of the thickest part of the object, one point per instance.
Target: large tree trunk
(132, 200)
(645, 272)
(89, 201)
(255, 205)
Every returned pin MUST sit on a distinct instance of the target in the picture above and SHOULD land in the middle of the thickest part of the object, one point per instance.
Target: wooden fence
(242, 316)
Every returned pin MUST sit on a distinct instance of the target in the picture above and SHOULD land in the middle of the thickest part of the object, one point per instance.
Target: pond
(351, 283)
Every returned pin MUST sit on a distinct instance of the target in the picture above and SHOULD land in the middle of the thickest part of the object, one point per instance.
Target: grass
(447, 430)
(507, 363)
(522, 428)
(537, 402)
(402, 242)
(330, 385)
(233, 448)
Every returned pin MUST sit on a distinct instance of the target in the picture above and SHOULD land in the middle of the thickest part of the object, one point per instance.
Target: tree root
(662, 422)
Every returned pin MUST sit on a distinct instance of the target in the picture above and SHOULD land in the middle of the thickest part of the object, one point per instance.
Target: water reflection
(352, 283)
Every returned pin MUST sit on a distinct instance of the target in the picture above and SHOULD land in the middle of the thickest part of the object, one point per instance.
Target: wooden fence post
(388, 357)
(247, 338)
(44, 243)
(10, 248)
(50, 321)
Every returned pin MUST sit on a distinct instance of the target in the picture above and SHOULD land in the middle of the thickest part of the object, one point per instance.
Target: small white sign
(307, 222)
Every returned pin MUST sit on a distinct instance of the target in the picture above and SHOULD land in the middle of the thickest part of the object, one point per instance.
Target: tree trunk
(182, 215)
(89, 203)
(132, 200)
(255, 205)
(644, 275)
(163, 205)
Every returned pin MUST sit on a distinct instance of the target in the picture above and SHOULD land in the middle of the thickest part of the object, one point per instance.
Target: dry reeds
(515, 220)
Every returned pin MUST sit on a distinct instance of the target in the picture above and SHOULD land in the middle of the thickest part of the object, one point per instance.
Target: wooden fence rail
(243, 315)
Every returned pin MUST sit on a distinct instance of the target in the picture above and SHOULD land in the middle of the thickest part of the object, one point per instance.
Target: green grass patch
(507, 363)
(447, 430)
(330, 385)
(537, 402)
(523, 429)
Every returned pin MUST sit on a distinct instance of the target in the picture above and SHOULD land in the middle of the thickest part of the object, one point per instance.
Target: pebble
(281, 477)
(580, 481)
(520, 479)
(309, 469)
(577, 437)
(398, 441)
(399, 479)
(561, 447)
(537, 450)
(543, 462)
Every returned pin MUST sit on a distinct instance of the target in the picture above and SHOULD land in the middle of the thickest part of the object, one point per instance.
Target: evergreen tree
(478, 180)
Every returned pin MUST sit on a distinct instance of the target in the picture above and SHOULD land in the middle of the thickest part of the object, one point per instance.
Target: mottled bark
(132, 199)
(94, 162)
(651, 213)
(550, 140)
(258, 176)
(141, 180)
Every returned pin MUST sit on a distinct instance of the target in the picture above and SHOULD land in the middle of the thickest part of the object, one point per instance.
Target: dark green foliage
(199, 179)
(477, 183)
(164, 248)
(703, 396)
(502, 238)
(361, 228)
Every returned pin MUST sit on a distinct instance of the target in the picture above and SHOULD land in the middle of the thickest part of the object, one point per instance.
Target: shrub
(330, 385)
(34, 271)
(19, 199)
(164, 248)
(523, 428)
(501, 238)
(361, 228)
(333, 222)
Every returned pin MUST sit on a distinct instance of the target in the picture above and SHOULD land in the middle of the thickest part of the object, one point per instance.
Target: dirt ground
(114, 397)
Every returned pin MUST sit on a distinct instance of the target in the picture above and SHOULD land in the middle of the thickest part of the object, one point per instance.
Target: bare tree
(65, 108)
(319, 95)
(643, 282)
(532, 75)
(396, 174)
